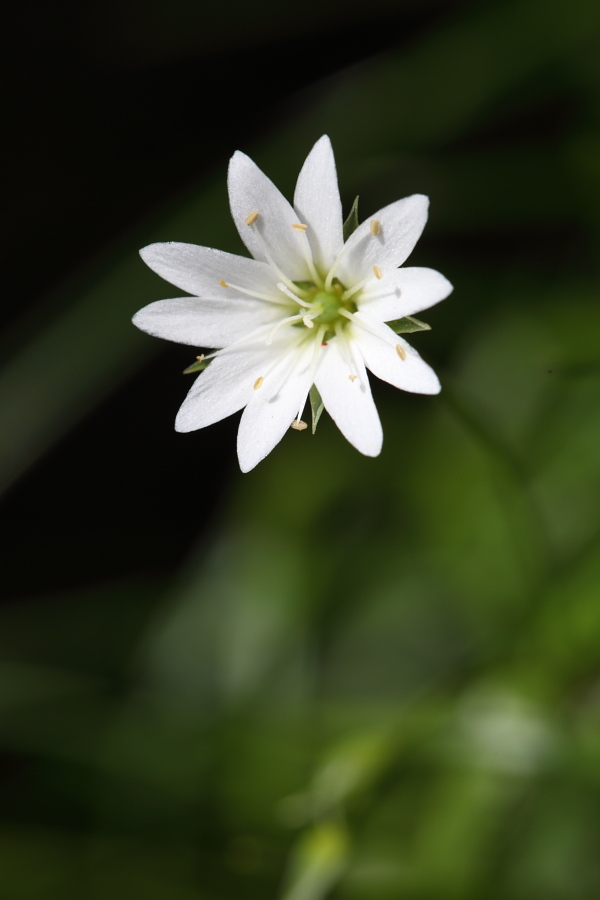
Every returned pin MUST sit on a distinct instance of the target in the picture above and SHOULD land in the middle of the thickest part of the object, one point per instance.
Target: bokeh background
(333, 676)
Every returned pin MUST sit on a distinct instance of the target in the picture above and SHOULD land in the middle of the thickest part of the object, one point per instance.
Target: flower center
(326, 305)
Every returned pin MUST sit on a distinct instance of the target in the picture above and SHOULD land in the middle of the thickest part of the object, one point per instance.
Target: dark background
(115, 110)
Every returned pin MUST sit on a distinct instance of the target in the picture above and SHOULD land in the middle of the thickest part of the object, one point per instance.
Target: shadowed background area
(333, 676)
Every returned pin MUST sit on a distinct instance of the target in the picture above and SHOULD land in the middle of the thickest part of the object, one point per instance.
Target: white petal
(205, 323)
(273, 407)
(410, 291)
(349, 402)
(317, 202)
(380, 356)
(226, 386)
(198, 270)
(251, 191)
(400, 227)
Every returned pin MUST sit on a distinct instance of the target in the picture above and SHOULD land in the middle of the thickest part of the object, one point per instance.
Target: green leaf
(351, 223)
(316, 405)
(197, 366)
(408, 325)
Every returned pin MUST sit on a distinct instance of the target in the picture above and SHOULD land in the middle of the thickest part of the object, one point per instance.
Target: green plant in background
(378, 679)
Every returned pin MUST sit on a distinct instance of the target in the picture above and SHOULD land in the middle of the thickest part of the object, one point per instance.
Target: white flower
(307, 309)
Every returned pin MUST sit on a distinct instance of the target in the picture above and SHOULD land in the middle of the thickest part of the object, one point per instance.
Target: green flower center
(327, 307)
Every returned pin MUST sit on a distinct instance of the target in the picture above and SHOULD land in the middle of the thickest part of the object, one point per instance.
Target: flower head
(308, 311)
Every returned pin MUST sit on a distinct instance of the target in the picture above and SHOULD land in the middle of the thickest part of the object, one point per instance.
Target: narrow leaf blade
(197, 366)
(351, 223)
(408, 325)
(316, 406)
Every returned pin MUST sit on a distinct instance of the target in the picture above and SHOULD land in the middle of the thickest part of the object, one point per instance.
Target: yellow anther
(353, 377)
(258, 382)
(298, 425)
(400, 351)
(300, 227)
(377, 272)
(375, 227)
(251, 219)
(223, 283)
(200, 358)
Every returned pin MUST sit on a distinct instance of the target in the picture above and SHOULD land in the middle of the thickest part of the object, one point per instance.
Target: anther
(400, 351)
(298, 425)
(308, 322)
(377, 272)
(375, 227)
(200, 358)
(299, 227)
(223, 283)
(251, 219)
(258, 383)
(352, 377)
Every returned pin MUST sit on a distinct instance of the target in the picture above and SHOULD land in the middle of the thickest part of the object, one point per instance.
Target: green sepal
(351, 223)
(196, 366)
(316, 406)
(408, 325)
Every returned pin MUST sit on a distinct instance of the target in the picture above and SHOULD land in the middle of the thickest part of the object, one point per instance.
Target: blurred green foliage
(380, 679)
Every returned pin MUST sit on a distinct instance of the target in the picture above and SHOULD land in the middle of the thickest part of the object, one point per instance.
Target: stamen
(307, 253)
(372, 329)
(270, 259)
(333, 269)
(344, 346)
(249, 293)
(313, 366)
(282, 287)
(258, 382)
(377, 272)
(280, 324)
(251, 219)
(255, 334)
(352, 290)
(368, 296)
(358, 365)
(208, 356)
(308, 321)
(352, 377)
(375, 227)
(298, 425)
(279, 364)
(401, 351)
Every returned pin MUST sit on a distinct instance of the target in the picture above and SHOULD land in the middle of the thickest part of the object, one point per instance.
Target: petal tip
(183, 424)
(448, 286)
(150, 251)
(431, 389)
(246, 460)
(373, 452)
(324, 140)
(239, 158)
(145, 251)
